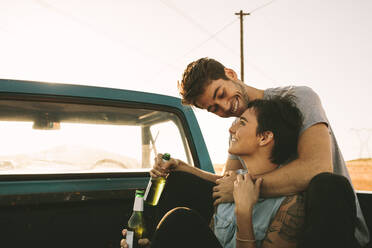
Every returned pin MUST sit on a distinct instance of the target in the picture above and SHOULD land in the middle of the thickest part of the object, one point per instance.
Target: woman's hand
(142, 242)
(162, 168)
(246, 192)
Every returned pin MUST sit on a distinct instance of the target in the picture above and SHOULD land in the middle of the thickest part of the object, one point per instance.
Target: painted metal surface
(52, 90)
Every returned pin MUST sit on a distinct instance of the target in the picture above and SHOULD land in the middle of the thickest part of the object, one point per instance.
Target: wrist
(243, 212)
(181, 166)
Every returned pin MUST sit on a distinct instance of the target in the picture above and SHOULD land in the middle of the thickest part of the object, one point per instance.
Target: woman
(265, 137)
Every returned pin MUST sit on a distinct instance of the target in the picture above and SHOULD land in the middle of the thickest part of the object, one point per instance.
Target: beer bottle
(155, 186)
(136, 223)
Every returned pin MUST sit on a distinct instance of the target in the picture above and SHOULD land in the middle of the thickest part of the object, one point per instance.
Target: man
(207, 84)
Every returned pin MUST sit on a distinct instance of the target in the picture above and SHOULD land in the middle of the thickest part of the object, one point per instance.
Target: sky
(146, 44)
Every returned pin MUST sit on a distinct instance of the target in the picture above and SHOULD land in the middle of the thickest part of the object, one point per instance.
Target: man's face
(225, 98)
(244, 140)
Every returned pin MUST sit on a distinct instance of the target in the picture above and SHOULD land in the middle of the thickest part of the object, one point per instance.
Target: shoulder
(291, 216)
(288, 222)
(298, 91)
(291, 203)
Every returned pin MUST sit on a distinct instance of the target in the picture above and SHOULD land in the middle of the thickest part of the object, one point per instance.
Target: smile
(235, 106)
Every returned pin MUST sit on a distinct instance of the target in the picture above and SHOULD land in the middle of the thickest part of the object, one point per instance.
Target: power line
(262, 6)
(100, 31)
(213, 35)
(198, 25)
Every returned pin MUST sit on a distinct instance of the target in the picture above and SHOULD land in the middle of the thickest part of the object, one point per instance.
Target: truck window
(53, 138)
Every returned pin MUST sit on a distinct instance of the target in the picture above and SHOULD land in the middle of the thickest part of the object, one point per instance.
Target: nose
(232, 129)
(223, 107)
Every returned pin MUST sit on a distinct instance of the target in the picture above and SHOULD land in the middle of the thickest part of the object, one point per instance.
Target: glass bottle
(155, 186)
(136, 223)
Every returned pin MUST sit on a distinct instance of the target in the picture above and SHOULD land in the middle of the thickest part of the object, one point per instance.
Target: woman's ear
(266, 138)
(231, 74)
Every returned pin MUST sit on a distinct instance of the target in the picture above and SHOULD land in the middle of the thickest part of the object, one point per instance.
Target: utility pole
(241, 14)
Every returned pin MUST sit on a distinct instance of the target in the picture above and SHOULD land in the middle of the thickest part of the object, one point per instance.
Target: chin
(231, 151)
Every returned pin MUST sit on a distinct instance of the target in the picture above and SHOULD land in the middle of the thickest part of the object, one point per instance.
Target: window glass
(50, 138)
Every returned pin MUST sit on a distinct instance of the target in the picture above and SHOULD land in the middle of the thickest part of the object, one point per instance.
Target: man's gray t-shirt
(311, 108)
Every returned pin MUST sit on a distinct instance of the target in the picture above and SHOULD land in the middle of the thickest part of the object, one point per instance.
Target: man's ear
(231, 74)
(266, 138)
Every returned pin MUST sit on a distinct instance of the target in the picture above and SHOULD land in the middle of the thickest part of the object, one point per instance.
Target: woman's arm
(162, 168)
(246, 194)
(287, 224)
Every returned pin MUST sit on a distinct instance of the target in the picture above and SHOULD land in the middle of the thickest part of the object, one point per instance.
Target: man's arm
(314, 157)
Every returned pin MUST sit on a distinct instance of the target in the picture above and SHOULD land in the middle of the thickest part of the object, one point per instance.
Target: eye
(221, 95)
(215, 109)
(241, 123)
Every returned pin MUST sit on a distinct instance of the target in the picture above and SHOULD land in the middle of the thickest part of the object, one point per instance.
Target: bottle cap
(166, 156)
(139, 193)
(138, 201)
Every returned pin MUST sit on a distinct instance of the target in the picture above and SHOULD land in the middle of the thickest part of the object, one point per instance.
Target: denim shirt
(263, 213)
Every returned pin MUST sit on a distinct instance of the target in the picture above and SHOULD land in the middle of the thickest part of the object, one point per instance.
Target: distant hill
(72, 158)
(218, 168)
(360, 171)
(360, 161)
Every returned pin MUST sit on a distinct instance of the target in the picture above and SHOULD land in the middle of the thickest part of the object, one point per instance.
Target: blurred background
(146, 44)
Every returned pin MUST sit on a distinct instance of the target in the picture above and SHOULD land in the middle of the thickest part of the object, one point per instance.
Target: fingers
(159, 157)
(156, 173)
(258, 183)
(123, 243)
(216, 202)
(215, 195)
(143, 242)
(240, 178)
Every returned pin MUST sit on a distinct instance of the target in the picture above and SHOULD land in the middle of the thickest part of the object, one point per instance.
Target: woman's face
(244, 140)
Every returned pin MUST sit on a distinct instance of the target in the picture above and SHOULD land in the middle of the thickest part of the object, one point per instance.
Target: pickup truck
(72, 157)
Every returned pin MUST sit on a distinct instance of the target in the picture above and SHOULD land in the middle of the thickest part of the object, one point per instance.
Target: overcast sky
(146, 44)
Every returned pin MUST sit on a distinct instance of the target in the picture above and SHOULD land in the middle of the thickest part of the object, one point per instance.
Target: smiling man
(207, 84)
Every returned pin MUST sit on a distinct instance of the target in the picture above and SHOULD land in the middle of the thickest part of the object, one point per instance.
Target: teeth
(235, 107)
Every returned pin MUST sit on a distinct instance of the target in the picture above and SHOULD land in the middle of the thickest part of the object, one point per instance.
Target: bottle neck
(138, 204)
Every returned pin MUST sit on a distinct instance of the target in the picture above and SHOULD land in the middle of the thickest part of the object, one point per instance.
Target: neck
(258, 164)
(253, 93)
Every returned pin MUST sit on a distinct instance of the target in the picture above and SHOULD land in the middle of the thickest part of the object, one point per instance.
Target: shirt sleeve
(310, 106)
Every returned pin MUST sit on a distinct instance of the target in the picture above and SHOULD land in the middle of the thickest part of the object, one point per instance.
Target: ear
(230, 73)
(266, 138)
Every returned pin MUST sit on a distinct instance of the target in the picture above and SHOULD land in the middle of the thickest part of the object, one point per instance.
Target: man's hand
(223, 192)
(142, 242)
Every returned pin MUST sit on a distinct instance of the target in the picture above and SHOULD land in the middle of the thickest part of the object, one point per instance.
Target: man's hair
(280, 115)
(197, 75)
